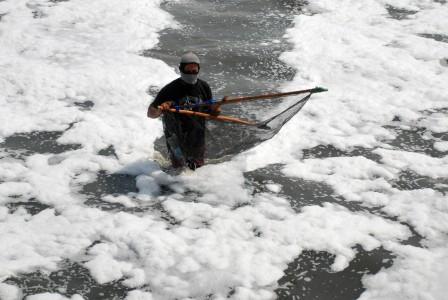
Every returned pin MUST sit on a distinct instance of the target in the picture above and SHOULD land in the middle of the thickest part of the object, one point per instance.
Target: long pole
(210, 117)
(227, 100)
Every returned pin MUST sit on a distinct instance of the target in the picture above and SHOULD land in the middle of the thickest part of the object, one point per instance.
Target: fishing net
(224, 140)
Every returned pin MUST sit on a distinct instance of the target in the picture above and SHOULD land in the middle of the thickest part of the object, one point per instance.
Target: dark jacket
(188, 132)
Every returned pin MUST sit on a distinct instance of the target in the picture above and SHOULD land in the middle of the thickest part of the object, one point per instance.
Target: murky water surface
(73, 278)
(239, 42)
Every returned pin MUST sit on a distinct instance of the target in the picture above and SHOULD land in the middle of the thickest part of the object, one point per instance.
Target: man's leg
(175, 152)
(176, 163)
(196, 160)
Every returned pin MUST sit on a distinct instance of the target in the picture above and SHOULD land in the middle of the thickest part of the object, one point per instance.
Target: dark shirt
(189, 130)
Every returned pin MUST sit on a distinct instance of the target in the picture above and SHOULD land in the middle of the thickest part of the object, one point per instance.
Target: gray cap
(189, 57)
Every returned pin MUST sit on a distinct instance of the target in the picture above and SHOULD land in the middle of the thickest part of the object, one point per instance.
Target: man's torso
(190, 131)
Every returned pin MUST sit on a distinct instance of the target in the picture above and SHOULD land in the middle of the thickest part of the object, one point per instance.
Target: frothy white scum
(54, 56)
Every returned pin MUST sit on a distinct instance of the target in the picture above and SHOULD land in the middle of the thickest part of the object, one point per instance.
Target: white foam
(53, 296)
(275, 188)
(441, 146)
(408, 279)
(420, 163)
(354, 178)
(10, 292)
(81, 52)
(213, 233)
(139, 295)
(376, 68)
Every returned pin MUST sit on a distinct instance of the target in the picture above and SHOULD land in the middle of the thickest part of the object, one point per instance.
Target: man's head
(189, 67)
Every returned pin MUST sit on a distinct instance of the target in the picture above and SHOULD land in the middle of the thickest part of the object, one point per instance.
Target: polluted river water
(241, 45)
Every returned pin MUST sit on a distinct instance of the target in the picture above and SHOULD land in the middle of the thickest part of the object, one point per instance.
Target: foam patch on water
(234, 246)
(376, 69)
(139, 295)
(76, 52)
(53, 296)
(419, 163)
(441, 146)
(211, 225)
(406, 279)
(9, 292)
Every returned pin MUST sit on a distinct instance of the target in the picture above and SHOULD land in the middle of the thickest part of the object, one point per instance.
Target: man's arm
(155, 112)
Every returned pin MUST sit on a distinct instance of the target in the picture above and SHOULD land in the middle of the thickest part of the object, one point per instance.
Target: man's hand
(215, 109)
(166, 105)
(154, 112)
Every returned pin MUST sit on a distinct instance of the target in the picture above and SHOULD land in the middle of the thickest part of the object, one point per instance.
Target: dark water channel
(239, 43)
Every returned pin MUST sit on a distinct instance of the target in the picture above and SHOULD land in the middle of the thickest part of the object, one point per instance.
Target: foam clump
(10, 292)
(139, 295)
(53, 296)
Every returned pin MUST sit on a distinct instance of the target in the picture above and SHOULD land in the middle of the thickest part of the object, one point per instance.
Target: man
(185, 135)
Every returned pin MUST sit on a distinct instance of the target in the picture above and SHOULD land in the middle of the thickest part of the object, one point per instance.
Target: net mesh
(224, 140)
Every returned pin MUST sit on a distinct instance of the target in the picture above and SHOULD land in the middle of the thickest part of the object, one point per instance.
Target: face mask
(189, 78)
